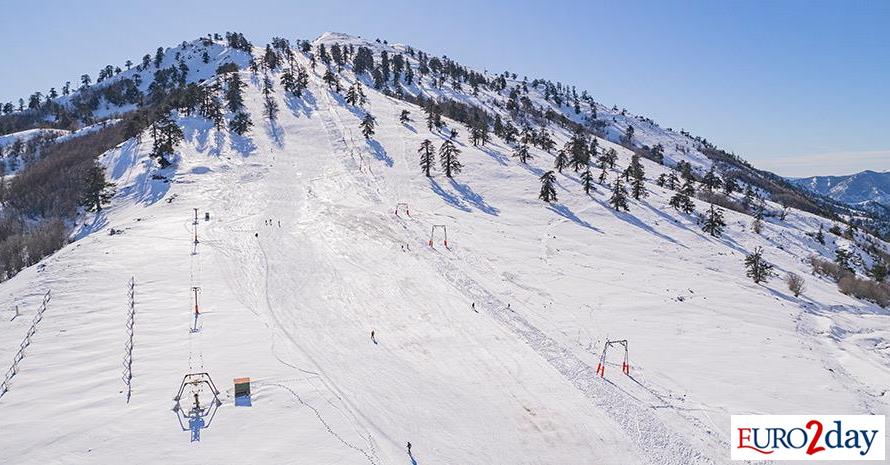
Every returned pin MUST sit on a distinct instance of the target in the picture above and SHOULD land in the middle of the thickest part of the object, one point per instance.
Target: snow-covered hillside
(483, 351)
(867, 186)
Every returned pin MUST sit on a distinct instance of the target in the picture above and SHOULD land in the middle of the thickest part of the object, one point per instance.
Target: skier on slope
(373, 338)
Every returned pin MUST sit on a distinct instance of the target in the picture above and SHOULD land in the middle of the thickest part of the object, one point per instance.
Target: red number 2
(813, 448)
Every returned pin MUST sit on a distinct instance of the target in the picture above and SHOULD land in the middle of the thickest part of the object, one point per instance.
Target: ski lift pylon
(444, 234)
(402, 206)
(195, 381)
(601, 366)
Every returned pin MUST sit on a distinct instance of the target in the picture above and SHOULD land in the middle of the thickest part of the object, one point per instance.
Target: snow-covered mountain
(866, 186)
(322, 272)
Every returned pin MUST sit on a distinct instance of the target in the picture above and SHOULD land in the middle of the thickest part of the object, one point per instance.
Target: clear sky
(797, 87)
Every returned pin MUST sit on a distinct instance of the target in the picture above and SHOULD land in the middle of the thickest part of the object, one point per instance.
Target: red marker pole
(195, 290)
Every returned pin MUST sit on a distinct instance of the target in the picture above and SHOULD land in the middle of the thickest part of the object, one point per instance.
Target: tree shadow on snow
(99, 222)
(473, 198)
(782, 296)
(219, 140)
(495, 155)
(242, 144)
(274, 132)
(410, 127)
(305, 104)
(447, 197)
(379, 153)
(358, 112)
(538, 172)
(633, 220)
(568, 214)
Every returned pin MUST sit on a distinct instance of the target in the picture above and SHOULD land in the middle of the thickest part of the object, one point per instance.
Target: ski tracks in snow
(657, 442)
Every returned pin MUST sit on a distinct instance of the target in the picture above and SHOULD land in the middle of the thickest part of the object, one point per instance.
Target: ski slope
(293, 307)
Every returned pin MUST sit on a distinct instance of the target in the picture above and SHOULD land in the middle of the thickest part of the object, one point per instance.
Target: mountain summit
(348, 251)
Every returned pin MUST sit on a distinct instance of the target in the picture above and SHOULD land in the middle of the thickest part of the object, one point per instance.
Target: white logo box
(799, 437)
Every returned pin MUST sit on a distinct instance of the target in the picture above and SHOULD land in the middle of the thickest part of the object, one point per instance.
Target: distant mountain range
(854, 189)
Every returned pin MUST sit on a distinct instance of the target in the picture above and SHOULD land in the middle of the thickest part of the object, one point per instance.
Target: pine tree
(628, 137)
(271, 108)
(234, 93)
(608, 159)
(619, 196)
(159, 56)
(210, 106)
(288, 81)
(355, 96)
(759, 270)
(560, 161)
(367, 125)
(479, 133)
(711, 181)
(166, 134)
(587, 181)
(672, 181)
(448, 158)
(714, 222)
(269, 103)
(578, 149)
(682, 200)
(331, 80)
(685, 169)
(548, 192)
(545, 142)
(656, 153)
(749, 197)
(97, 190)
(240, 123)
(820, 236)
(729, 185)
(637, 178)
(522, 153)
(302, 81)
(404, 117)
(427, 156)
(433, 120)
(844, 259)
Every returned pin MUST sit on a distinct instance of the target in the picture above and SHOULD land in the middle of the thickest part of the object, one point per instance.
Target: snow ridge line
(326, 425)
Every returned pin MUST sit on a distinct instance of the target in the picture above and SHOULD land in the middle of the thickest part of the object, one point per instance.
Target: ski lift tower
(202, 400)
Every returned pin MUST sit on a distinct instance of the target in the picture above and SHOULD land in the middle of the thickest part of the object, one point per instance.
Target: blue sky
(798, 87)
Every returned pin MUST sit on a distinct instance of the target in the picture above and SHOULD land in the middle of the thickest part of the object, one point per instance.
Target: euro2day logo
(808, 437)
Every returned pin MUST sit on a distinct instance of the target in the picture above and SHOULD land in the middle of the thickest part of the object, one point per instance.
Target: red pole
(195, 290)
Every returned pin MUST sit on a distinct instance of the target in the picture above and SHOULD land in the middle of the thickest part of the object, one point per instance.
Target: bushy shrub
(796, 283)
(864, 289)
(724, 201)
(822, 267)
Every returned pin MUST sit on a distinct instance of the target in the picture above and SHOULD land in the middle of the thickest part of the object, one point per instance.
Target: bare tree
(796, 283)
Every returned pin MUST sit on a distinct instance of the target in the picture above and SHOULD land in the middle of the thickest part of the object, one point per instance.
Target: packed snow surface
(485, 349)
